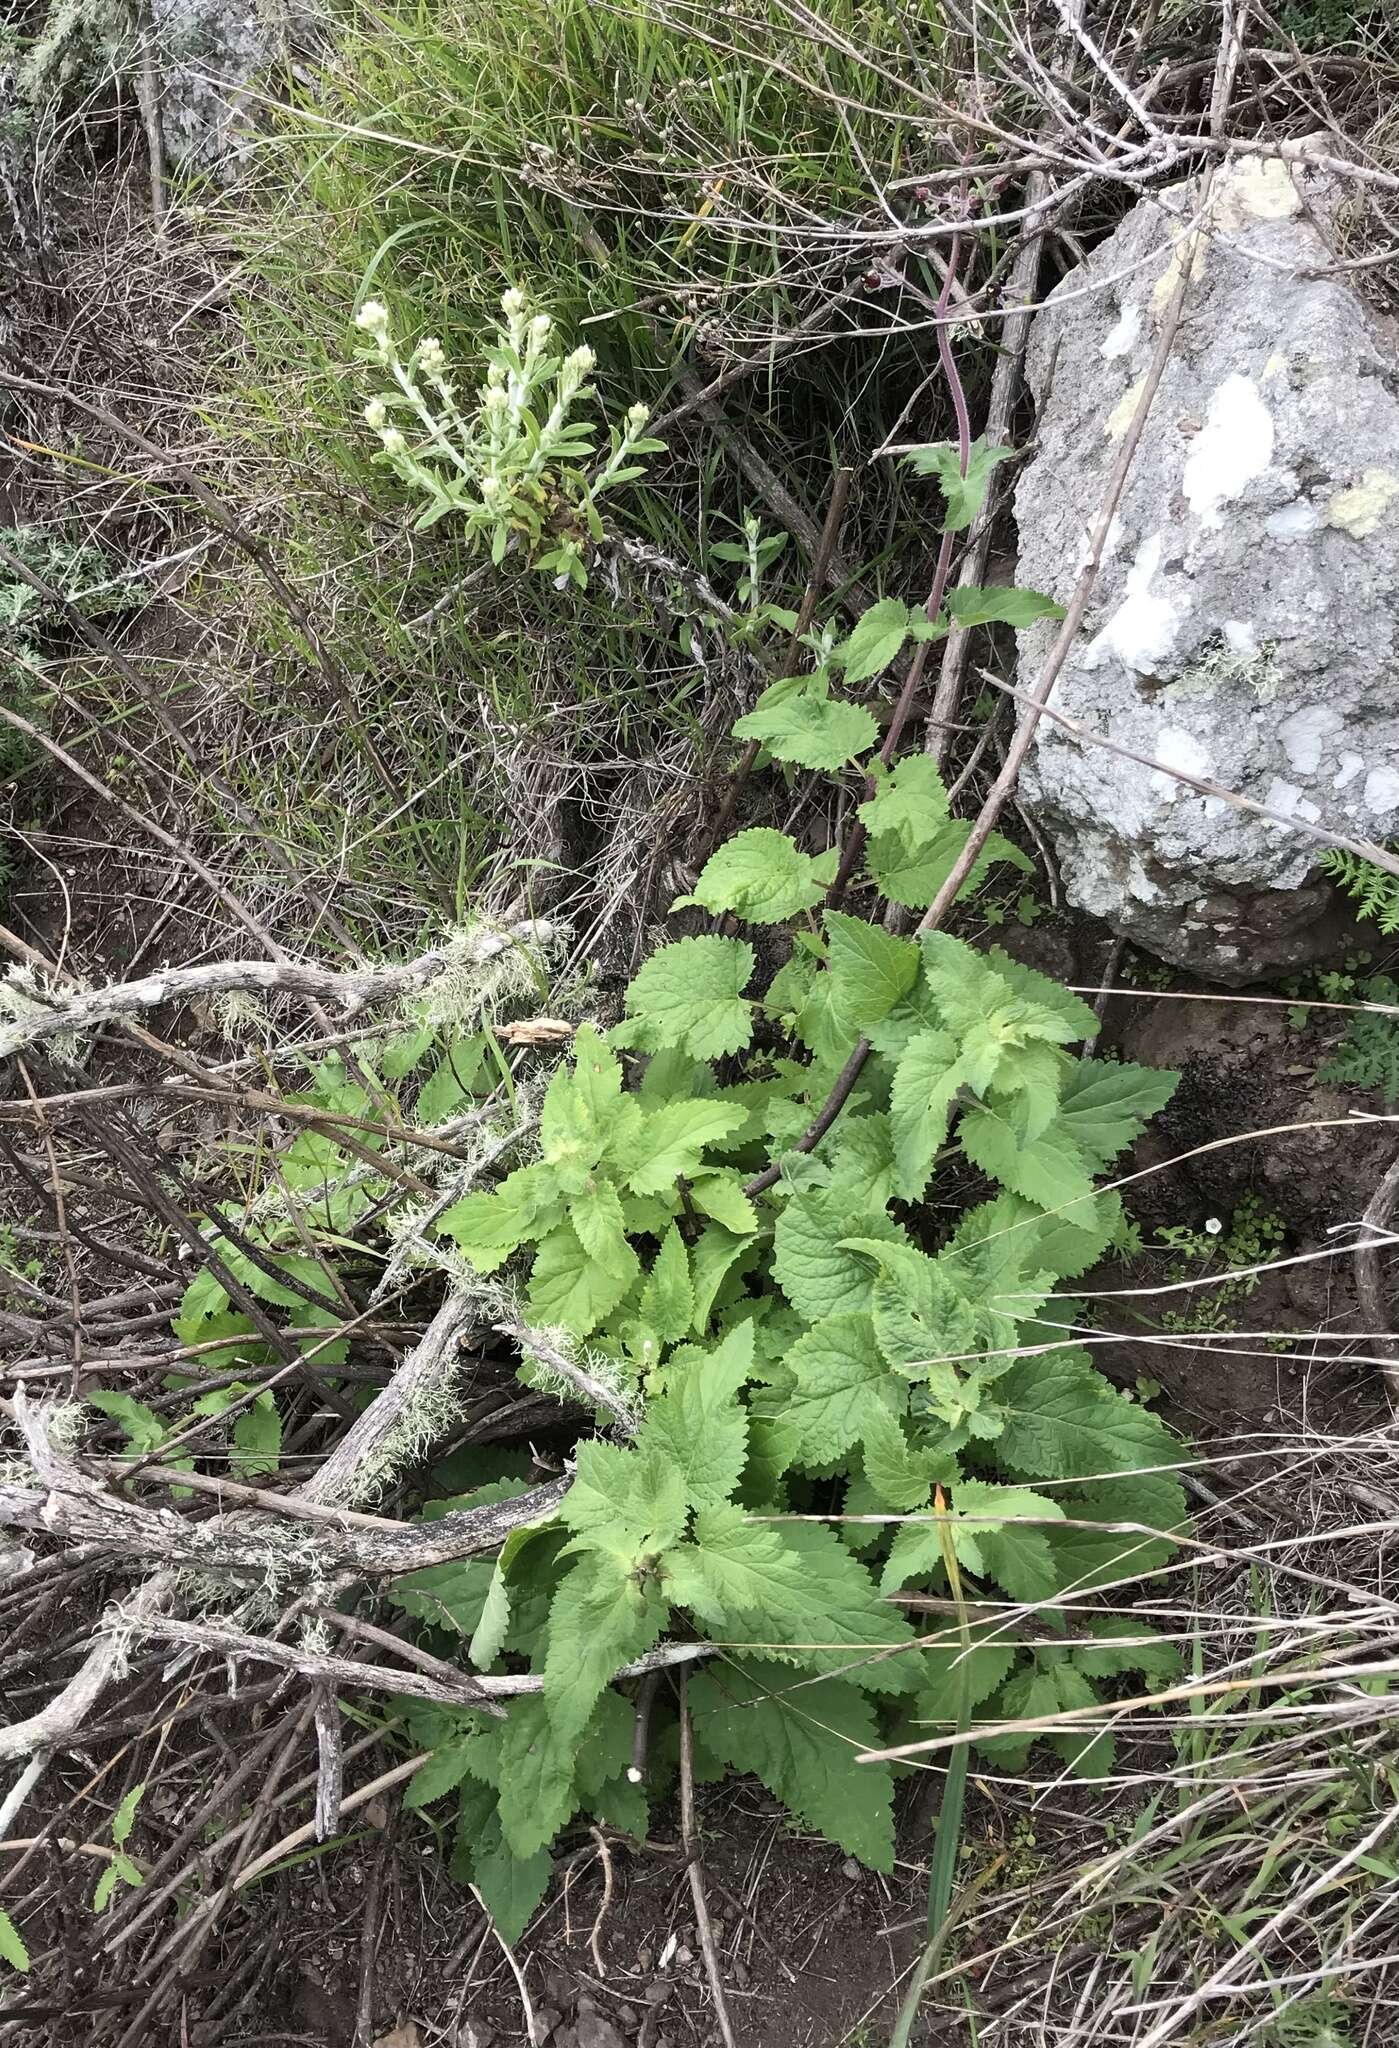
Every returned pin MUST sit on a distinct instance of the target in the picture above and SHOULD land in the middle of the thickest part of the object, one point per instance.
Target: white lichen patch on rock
(1234, 446)
(1143, 629)
(1245, 628)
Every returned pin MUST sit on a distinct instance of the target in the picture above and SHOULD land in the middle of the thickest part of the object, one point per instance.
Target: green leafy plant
(799, 1353)
(822, 1404)
(121, 1869)
(1373, 890)
(1252, 1236)
(1368, 1055)
(513, 466)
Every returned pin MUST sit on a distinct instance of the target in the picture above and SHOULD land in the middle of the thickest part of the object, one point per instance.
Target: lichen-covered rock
(1245, 623)
(208, 53)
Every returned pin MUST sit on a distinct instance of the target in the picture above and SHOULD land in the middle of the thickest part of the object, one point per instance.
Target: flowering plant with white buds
(513, 463)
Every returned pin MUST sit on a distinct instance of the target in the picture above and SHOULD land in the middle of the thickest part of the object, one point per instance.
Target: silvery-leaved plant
(514, 464)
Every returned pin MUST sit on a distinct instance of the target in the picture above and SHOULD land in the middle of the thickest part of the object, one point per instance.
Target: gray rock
(1244, 623)
(209, 52)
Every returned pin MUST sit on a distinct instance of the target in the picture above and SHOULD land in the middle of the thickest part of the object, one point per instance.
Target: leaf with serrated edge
(837, 1381)
(673, 1141)
(698, 1424)
(817, 1277)
(801, 1743)
(668, 1298)
(536, 1778)
(689, 995)
(601, 1618)
(812, 731)
(761, 875)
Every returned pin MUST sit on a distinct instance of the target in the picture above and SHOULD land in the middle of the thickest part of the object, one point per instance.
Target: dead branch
(350, 993)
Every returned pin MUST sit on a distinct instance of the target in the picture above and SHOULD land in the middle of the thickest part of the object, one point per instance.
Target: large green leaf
(815, 1273)
(811, 731)
(1105, 1104)
(1063, 1421)
(690, 995)
(568, 1286)
(834, 1383)
(673, 1140)
(536, 1777)
(801, 1741)
(761, 875)
(875, 639)
(1050, 1169)
(602, 1617)
(698, 1425)
(926, 1080)
(964, 493)
(870, 969)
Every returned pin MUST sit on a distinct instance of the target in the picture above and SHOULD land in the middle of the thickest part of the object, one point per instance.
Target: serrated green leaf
(1011, 1550)
(801, 1744)
(871, 970)
(1126, 1645)
(721, 1196)
(1105, 1104)
(448, 1595)
(1063, 1421)
(817, 1276)
(668, 1298)
(971, 606)
(1056, 1013)
(1050, 1169)
(672, 1141)
(926, 1081)
(812, 731)
(1029, 1695)
(910, 804)
(142, 1427)
(602, 1617)
(125, 1815)
(953, 1672)
(716, 1256)
(512, 1886)
(489, 1228)
(257, 1438)
(860, 1156)
(875, 639)
(624, 1503)
(698, 1426)
(438, 1775)
(12, 1948)
(536, 1778)
(1088, 1755)
(596, 1215)
(567, 1286)
(914, 878)
(106, 1885)
(689, 995)
(834, 1380)
(898, 1473)
(964, 495)
(761, 875)
(488, 1639)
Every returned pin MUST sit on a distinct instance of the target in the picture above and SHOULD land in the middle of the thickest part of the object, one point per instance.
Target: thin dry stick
(532, 2033)
(594, 1942)
(695, 1869)
(1369, 1291)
